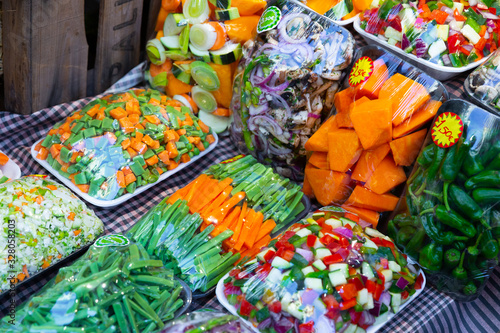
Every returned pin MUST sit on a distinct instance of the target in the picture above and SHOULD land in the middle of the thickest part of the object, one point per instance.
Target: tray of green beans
(450, 220)
(109, 289)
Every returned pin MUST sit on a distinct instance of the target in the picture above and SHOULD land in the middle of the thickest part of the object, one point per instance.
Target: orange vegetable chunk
(417, 120)
(329, 186)
(371, 87)
(344, 149)
(319, 160)
(319, 140)
(364, 198)
(343, 99)
(372, 122)
(386, 176)
(368, 161)
(405, 150)
(364, 214)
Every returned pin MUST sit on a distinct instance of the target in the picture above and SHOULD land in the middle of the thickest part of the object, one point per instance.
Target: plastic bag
(120, 142)
(325, 274)
(210, 321)
(482, 84)
(361, 156)
(450, 223)
(43, 224)
(195, 51)
(444, 34)
(115, 286)
(286, 82)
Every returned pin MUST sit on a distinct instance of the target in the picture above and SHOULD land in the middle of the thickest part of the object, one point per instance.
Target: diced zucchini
(390, 32)
(226, 55)
(344, 268)
(314, 284)
(307, 270)
(456, 25)
(443, 31)
(367, 270)
(362, 297)
(293, 309)
(337, 278)
(303, 232)
(387, 273)
(392, 41)
(394, 266)
(319, 265)
(274, 276)
(347, 221)
(227, 14)
(281, 263)
(470, 34)
(437, 48)
(459, 6)
(370, 244)
(334, 223)
(200, 54)
(395, 302)
(369, 303)
(322, 252)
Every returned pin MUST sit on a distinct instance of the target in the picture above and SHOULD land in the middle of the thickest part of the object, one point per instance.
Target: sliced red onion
(453, 32)
(366, 319)
(449, 18)
(253, 127)
(283, 325)
(486, 14)
(281, 87)
(266, 323)
(405, 42)
(490, 24)
(394, 12)
(420, 48)
(402, 283)
(344, 253)
(309, 296)
(283, 25)
(385, 298)
(347, 233)
(468, 47)
(364, 278)
(375, 311)
(282, 102)
(263, 142)
(255, 110)
(486, 35)
(260, 80)
(313, 115)
(363, 224)
(447, 10)
(446, 60)
(265, 47)
(278, 150)
(308, 255)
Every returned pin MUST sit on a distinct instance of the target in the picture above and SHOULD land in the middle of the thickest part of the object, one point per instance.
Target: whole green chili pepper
(491, 153)
(451, 258)
(464, 203)
(486, 195)
(489, 246)
(494, 164)
(470, 288)
(461, 178)
(427, 155)
(460, 245)
(391, 229)
(404, 235)
(415, 244)
(488, 178)
(454, 160)
(431, 257)
(439, 156)
(438, 236)
(454, 220)
(472, 164)
(459, 272)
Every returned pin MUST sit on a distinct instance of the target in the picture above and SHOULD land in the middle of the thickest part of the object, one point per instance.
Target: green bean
(144, 263)
(145, 306)
(130, 314)
(152, 280)
(120, 317)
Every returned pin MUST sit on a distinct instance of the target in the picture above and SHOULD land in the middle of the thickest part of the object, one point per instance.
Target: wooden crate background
(46, 58)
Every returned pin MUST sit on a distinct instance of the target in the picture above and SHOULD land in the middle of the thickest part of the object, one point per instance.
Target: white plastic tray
(438, 72)
(125, 197)
(11, 169)
(346, 22)
(372, 329)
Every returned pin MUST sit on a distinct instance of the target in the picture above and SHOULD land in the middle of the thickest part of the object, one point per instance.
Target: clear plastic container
(10, 170)
(212, 321)
(449, 222)
(285, 84)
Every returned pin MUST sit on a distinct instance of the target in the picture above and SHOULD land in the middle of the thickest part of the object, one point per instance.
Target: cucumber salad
(445, 32)
(325, 274)
(48, 223)
(192, 55)
(286, 84)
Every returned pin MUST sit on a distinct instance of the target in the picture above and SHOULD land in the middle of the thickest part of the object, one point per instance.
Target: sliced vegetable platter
(316, 285)
(120, 145)
(9, 170)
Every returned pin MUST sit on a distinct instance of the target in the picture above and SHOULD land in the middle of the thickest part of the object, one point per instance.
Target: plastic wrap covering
(121, 142)
(197, 45)
(342, 12)
(483, 84)
(451, 224)
(361, 156)
(286, 82)
(325, 274)
(444, 33)
(207, 321)
(115, 287)
(43, 223)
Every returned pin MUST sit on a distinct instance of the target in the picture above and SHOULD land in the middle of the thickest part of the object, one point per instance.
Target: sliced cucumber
(217, 123)
(171, 42)
(362, 297)
(303, 232)
(322, 252)
(367, 270)
(205, 76)
(319, 265)
(203, 55)
(337, 278)
(228, 54)
(174, 23)
(314, 284)
(204, 99)
(177, 55)
(196, 11)
(227, 14)
(225, 4)
(280, 263)
(395, 302)
(184, 39)
(307, 270)
(155, 51)
(343, 268)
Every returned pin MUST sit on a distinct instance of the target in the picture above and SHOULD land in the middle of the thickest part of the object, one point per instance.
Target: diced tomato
(284, 244)
(320, 221)
(348, 215)
(379, 288)
(307, 327)
(269, 256)
(405, 294)
(364, 326)
(355, 316)
(334, 247)
(326, 240)
(287, 235)
(454, 42)
(280, 251)
(330, 301)
(371, 286)
(384, 262)
(245, 308)
(332, 313)
(347, 291)
(418, 282)
(333, 259)
(264, 270)
(275, 307)
(381, 277)
(356, 281)
(348, 304)
(344, 242)
(234, 272)
(387, 243)
(344, 252)
(311, 240)
(396, 25)
(481, 44)
(287, 255)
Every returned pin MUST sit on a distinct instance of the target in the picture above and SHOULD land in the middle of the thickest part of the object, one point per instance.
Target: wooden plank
(154, 9)
(46, 58)
(118, 41)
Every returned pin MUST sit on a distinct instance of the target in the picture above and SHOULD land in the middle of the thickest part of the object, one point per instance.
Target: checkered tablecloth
(431, 312)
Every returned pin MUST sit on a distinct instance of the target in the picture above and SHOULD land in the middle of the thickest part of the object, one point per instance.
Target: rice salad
(50, 223)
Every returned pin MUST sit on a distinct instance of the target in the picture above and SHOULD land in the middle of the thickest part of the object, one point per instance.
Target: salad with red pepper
(445, 32)
(325, 274)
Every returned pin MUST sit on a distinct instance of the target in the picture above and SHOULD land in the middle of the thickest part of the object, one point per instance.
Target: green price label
(269, 19)
(112, 240)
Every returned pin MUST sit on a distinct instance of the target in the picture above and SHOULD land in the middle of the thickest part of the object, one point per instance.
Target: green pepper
(438, 236)
(454, 220)
(464, 203)
(494, 164)
(486, 195)
(448, 3)
(455, 60)
(439, 157)
(427, 156)
(415, 244)
(472, 164)
(391, 230)
(489, 246)
(460, 245)
(454, 160)
(386, 7)
(491, 153)
(488, 178)
(470, 288)
(432, 5)
(431, 257)
(451, 258)
(459, 272)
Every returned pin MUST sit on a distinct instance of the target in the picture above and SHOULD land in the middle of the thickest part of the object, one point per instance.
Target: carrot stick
(246, 229)
(230, 219)
(209, 193)
(265, 229)
(254, 229)
(219, 213)
(216, 203)
(198, 182)
(239, 225)
(180, 193)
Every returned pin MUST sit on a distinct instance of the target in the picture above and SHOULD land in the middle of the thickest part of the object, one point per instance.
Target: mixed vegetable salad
(285, 85)
(120, 142)
(196, 47)
(325, 274)
(47, 222)
(209, 322)
(109, 289)
(451, 227)
(445, 32)
(484, 82)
